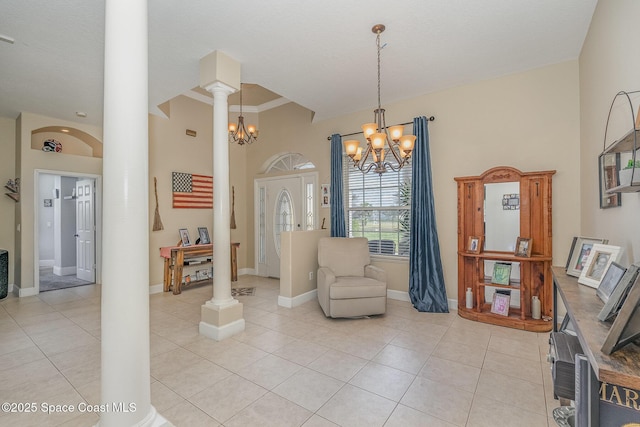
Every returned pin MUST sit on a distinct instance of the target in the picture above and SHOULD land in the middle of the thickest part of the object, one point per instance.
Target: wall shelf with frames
(628, 143)
(13, 185)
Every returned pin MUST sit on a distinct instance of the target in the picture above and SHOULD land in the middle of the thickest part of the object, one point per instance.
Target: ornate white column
(125, 376)
(221, 317)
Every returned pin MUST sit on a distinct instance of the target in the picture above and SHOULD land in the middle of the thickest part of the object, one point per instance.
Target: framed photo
(184, 236)
(501, 273)
(500, 304)
(523, 247)
(609, 281)
(579, 254)
(626, 327)
(473, 245)
(600, 258)
(609, 163)
(325, 195)
(617, 296)
(204, 235)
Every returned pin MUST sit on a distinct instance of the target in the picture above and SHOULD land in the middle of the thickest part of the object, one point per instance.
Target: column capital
(219, 87)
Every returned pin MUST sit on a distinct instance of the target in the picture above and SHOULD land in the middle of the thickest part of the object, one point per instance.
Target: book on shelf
(501, 273)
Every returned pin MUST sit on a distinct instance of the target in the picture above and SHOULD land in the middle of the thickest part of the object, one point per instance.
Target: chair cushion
(357, 287)
(344, 256)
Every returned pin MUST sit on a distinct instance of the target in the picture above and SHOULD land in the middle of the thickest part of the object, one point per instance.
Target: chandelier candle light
(381, 141)
(238, 133)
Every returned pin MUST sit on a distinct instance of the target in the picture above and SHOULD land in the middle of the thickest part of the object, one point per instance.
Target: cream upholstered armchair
(348, 286)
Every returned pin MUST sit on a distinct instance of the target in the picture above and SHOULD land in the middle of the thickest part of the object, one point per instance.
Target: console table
(613, 398)
(176, 257)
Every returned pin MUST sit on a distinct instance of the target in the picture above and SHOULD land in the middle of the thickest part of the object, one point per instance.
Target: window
(378, 207)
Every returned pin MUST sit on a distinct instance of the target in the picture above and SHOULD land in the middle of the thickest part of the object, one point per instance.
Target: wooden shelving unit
(535, 271)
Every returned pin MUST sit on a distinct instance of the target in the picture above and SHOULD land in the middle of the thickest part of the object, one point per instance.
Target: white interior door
(279, 208)
(85, 234)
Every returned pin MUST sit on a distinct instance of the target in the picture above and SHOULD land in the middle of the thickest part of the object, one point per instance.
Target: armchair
(348, 286)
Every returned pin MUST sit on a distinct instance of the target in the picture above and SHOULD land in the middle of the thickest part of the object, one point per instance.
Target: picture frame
(610, 280)
(204, 235)
(325, 195)
(626, 326)
(184, 237)
(500, 304)
(501, 273)
(617, 296)
(608, 166)
(580, 250)
(474, 244)
(600, 258)
(523, 247)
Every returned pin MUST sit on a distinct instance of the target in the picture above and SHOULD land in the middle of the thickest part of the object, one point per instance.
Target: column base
(221, 322)
(152, 419)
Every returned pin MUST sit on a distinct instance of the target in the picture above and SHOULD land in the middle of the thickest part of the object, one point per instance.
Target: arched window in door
(283, 218)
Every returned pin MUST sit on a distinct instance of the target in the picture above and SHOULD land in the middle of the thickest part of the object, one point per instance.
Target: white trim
(47, 262)
(65, 271)
(236, 108)
(297, 300)
(219, 333)
(25, 292)
(247, 271)
(398, 295)
(156, 289)
(404, 296)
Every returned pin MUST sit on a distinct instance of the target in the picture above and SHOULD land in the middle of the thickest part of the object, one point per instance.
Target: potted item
(633, 168)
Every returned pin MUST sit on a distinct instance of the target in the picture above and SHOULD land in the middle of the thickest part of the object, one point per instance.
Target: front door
(85, 234)
(279, 208)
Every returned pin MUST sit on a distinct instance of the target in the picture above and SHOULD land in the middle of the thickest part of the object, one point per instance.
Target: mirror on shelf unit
(501, 216)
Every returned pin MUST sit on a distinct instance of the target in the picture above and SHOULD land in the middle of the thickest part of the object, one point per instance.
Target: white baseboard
(219, 333)
(298, 300)
(404, 296)
(398, 295)
(65, 271)
(245, 271)
(156, 289)
(25, 292)
(47, 262)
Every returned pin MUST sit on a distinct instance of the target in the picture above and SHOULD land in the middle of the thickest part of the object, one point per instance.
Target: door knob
(76, 235)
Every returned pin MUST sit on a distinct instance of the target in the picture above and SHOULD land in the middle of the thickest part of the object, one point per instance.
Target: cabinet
(629, 179)
(534, 214)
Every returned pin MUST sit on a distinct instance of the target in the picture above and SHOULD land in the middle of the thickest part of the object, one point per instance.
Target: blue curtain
(338, 228)
(426, 279)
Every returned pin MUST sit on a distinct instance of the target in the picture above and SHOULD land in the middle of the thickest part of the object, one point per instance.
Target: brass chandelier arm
(429, 119)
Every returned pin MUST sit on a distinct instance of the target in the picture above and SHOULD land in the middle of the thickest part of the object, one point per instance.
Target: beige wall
(527, 120)
(299, 258)
(7, 172)
(37, 159)
(171, 150)
(608, 64)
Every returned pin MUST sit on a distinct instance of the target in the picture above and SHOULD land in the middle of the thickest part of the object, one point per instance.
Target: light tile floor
(290, 367)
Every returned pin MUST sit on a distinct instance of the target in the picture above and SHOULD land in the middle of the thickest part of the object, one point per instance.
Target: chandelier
(238, 133)
(387, 148)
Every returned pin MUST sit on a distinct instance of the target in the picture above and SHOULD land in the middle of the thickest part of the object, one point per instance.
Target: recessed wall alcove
(74, 141)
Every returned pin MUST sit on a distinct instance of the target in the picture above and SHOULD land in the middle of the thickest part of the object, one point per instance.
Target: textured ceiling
(319, 54)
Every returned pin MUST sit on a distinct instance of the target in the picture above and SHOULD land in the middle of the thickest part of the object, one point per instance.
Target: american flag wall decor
(192, 191)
